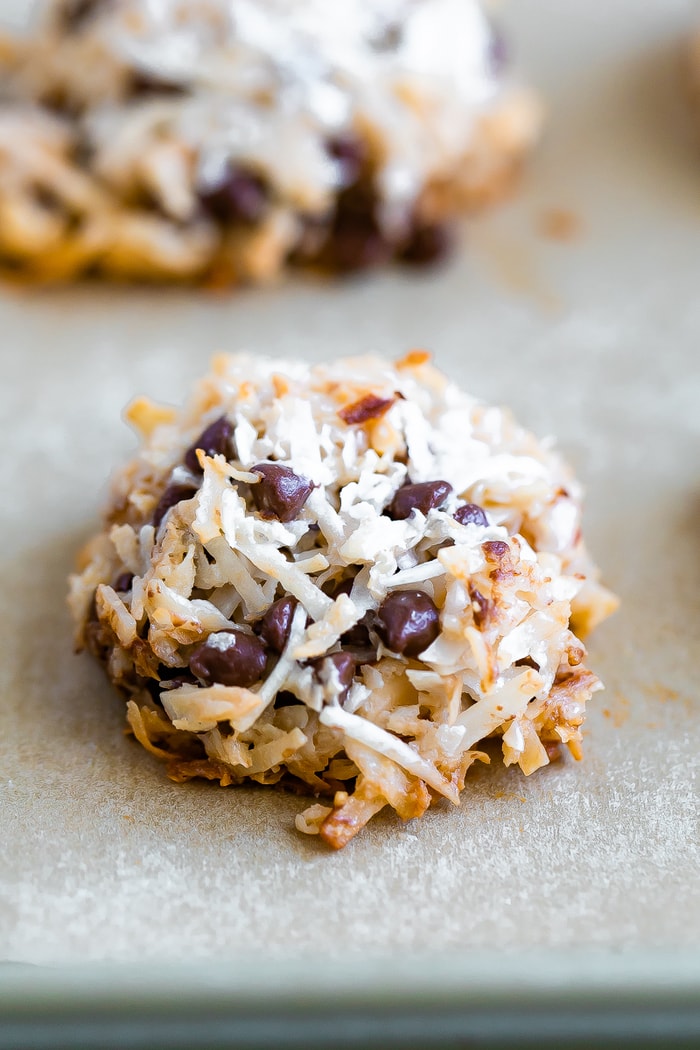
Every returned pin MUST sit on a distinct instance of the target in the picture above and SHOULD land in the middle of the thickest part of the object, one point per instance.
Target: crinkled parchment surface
(594, 340)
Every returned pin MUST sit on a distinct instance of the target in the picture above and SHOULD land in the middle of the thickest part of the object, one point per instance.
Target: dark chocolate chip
(277, 622)
(229, 657)
(470, 514)
(241, 197)
(280, 493)
(356, 243)
(344, 665)
(351, 154)
(423, 496)
(498, 51)
(73, 15)
(173, 495)
(214, 440)
(122, 584)
(389, 39)
(408, 622)
(428, 243)
(357, 637)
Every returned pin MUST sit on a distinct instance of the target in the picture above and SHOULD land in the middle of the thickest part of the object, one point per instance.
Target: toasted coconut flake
(111, 609)
(320, 636)
(135, 716)
(198, 709)
(146, 416)
(364, 732)
(309, 822)
(341, 825)
(506, 700)
(368, 407)
(268, 757)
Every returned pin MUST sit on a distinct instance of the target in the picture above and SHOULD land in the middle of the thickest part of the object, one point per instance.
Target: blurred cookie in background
(221, 141)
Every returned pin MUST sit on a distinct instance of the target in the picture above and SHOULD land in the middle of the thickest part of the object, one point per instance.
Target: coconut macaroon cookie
(341, 579)
(221, 140)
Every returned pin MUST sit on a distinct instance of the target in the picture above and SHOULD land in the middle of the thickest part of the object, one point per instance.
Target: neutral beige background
(595, 340)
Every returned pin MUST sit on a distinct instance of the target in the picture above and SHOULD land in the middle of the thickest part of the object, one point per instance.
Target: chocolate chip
(240, 197)
(351, 154)
(423, 496)
(389, 39)
(497, 50)
(122, 584)
(74, 14)
(408, 622)
(358, 246)
(277, 622)
(470, 514)
(173, 495)
(356, 241)
(357, 637)
(344, 665)
(229, 657)
(214, 440)
(428, 243)
(280, 493)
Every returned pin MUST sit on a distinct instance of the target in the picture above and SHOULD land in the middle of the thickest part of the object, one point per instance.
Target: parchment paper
(594, 339)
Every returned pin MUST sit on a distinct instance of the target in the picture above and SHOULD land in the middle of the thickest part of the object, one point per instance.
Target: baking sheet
(593, 339)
